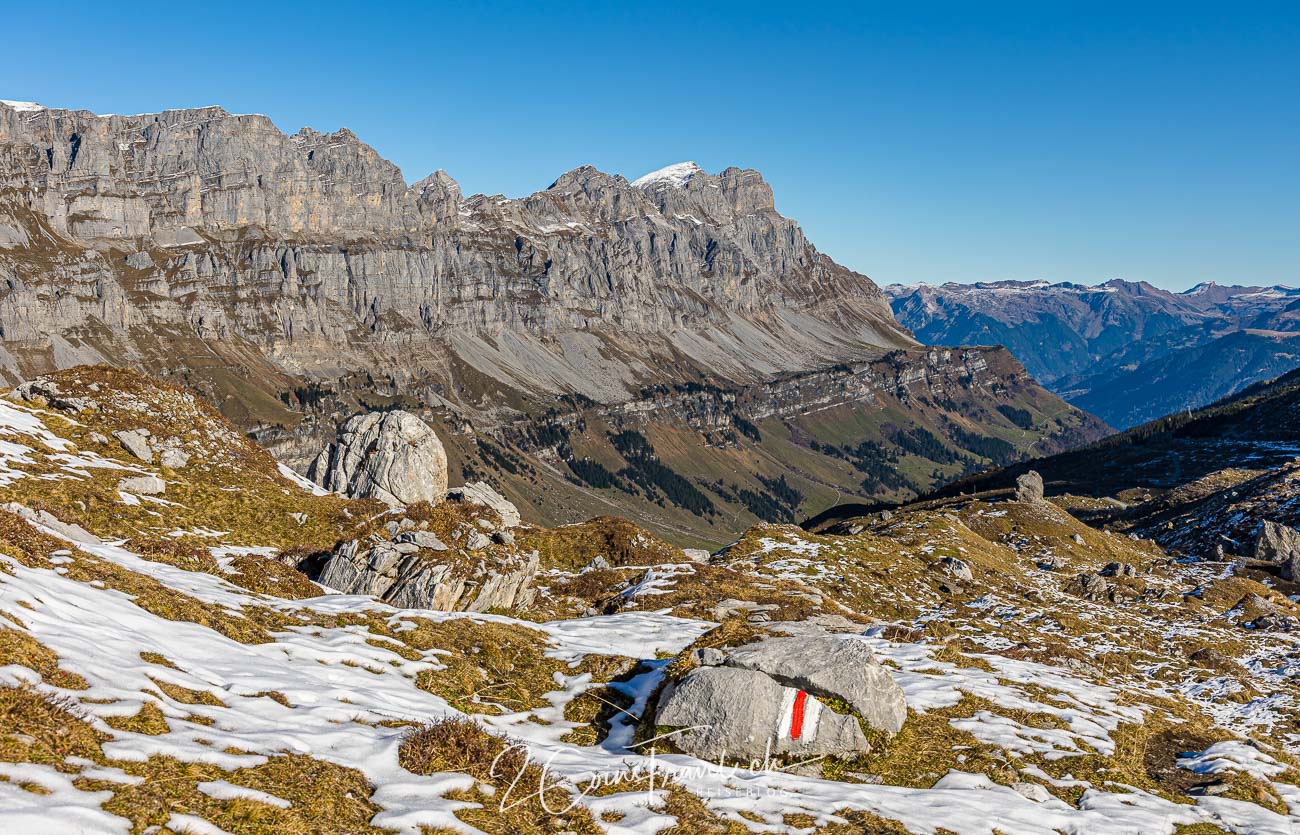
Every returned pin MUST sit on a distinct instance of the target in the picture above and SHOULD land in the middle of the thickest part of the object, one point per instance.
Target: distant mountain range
(1126, 351)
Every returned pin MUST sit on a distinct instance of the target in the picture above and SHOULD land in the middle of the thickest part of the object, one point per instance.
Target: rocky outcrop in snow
(391, 456)
(412, 567)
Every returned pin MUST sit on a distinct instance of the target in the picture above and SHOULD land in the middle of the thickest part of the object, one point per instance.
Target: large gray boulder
(831, 666)
(391, 456)
(1279, 544)
(735, 714)
(1029, 487)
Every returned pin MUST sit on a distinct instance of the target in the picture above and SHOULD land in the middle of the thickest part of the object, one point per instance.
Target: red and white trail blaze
(798, 715)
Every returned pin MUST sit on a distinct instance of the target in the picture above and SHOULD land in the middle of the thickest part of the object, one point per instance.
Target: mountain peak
(22, 106)
(674, 176)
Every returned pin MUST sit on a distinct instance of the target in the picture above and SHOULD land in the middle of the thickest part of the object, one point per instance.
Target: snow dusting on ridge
(675, 176)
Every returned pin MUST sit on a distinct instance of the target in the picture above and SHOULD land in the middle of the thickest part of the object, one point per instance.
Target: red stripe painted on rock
(796, 715)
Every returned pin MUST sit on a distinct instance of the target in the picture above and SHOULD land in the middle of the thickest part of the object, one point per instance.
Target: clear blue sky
(942, 142)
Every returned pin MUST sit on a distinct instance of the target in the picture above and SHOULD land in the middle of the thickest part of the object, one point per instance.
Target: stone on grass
(136, 442)
(1279, 544)
(143, 485)
(1029, 487)
(830, 666)
(736, 714)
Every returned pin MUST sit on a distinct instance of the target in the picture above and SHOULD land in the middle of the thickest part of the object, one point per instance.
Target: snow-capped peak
(673, 175)
(22, 106)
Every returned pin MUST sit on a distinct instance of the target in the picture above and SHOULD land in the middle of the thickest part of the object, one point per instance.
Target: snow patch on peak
(676, 176)
(23, 106)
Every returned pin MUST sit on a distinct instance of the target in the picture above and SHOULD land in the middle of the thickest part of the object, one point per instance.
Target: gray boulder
(1029, 487)
(391, 456)
(1089, 586)
(480, 492)
(830, 666)
(136, 442)
(422, 539)
(144, 485)
(1279, 544)
(735, 714)
(957, 569)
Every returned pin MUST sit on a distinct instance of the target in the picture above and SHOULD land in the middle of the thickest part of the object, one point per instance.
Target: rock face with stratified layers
(233, 230)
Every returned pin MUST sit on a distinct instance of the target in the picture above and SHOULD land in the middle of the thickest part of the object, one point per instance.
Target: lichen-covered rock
(829, 665)
(391, 456)
(735, 714)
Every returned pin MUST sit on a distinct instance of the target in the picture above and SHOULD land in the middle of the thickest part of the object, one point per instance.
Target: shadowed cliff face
(295, 280)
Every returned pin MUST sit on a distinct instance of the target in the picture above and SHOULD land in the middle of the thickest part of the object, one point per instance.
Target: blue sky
(937, 142)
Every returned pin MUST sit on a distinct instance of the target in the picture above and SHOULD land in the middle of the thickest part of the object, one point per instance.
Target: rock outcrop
(391, 456)
(1029, 487)
(417, 569)
(482, 493)
(1279, 544)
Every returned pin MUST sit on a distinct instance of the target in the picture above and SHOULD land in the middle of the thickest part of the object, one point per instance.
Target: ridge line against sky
(951, 143)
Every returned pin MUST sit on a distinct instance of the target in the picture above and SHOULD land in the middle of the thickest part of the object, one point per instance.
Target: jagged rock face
(391, 456)
(314, 250)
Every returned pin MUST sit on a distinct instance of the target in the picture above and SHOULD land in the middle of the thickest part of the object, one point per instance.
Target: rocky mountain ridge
(240, 233)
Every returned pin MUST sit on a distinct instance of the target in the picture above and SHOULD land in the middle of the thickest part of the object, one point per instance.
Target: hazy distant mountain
(1126, 351)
